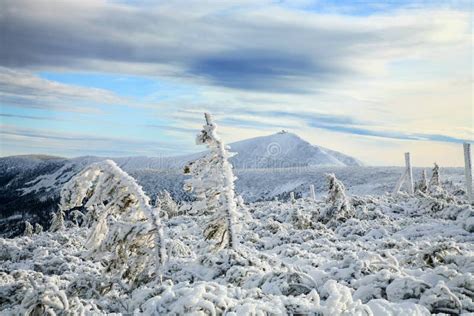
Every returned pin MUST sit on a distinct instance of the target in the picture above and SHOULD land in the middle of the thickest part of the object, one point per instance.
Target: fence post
(409, 173)
(400, 182)
(292, 197)
(468, 171)
(311, 192)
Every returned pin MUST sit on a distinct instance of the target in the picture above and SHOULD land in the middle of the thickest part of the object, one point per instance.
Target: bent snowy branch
(119, 212)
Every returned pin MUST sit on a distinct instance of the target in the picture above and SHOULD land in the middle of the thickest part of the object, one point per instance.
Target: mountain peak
(285, 149)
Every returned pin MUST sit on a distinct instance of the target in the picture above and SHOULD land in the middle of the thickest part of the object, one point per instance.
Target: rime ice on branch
(123, 222)
(213, 184)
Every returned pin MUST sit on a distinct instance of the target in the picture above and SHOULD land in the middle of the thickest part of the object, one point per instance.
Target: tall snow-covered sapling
(126, 230)
(338, 205)
(213, 184)
(435, 180)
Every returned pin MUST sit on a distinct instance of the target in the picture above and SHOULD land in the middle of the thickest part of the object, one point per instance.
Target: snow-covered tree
(28, 229)
(124, 225)
(339, 207)
(422, 185)
(213, 184)
(57, 221)
(292, 197)
(166, 203)
(38, 228)
(435, 180)
(44, 299)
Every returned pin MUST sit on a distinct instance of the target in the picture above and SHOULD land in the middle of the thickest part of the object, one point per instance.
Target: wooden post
(292, 197)
(468, 171)
(409, 173)
(400, 182)
(311, 192)
(207, 116)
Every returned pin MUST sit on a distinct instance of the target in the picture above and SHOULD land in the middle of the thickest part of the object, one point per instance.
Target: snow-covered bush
(57, 221)
(167, 205)
(28, 229)
(440, 299)
(338, 207)
(44, 299)
(422, 185)
(38, 228)
(126, 231)
(406, 288)
(213, 184)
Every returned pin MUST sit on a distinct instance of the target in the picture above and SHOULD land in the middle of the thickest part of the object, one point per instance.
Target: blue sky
(371, 79)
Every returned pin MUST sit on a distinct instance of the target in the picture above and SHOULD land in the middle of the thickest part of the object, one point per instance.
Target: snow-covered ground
(401, 255)
(269, 249)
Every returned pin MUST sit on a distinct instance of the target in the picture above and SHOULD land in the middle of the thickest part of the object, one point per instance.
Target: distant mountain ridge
(280, 150)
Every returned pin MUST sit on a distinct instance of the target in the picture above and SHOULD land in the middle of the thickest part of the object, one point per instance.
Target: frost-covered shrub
(406, 288)
(438, 254)
(440, 299)
(224, 260)
(167, 205)
(57, 221)
(44, 299)
(292, 283)
(366, 208)
(373, 286)
(201, 298)
(38, 228)
(339, 301)
(213, 184)
(422, 185)
(28, 232)
(125, 230)
(338, 208)
(78, 218)
(177, 249)
(301, 220)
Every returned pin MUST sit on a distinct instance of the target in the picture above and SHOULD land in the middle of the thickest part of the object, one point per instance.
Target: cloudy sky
(119, 78)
